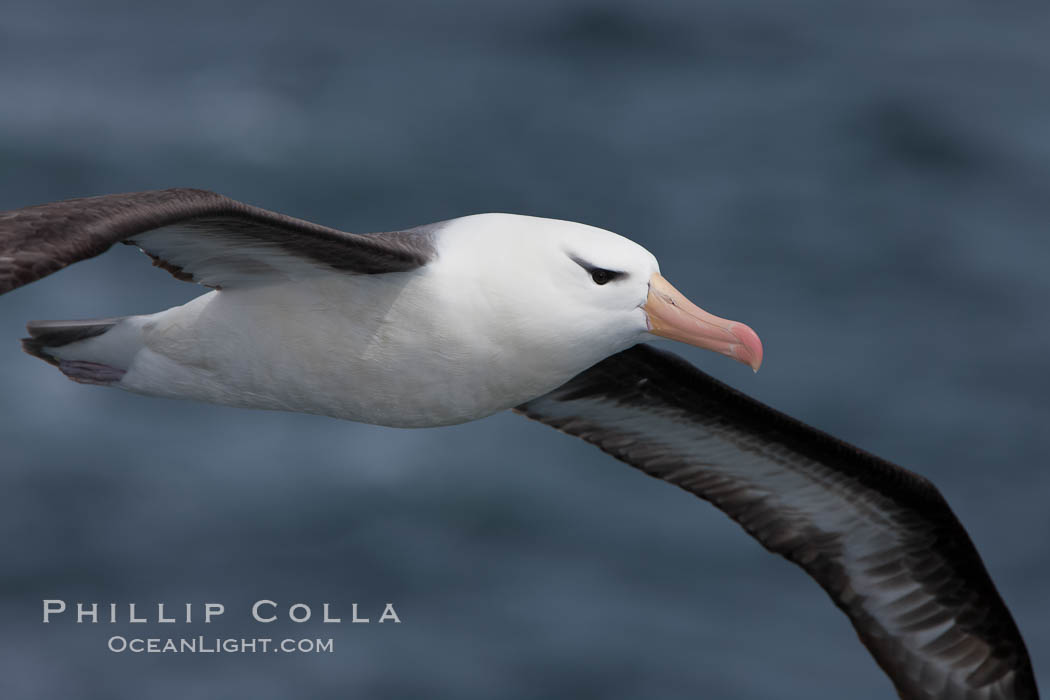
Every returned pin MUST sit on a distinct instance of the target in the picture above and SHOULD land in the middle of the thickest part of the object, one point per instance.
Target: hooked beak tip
(749, 351)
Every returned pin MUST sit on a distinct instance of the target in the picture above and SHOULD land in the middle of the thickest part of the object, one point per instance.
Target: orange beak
(673, 316)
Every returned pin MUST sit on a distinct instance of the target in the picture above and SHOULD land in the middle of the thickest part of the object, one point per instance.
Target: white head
(567, 290)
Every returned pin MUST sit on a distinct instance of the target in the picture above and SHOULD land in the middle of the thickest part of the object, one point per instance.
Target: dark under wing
(879, 539)
(196, 235)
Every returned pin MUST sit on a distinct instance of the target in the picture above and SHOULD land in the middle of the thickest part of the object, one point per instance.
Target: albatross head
(548, 284)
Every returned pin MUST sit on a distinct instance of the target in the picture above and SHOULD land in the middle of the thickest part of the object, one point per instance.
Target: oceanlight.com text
(218, 645)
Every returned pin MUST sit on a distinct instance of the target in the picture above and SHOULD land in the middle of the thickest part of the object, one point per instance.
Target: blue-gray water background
(866, 184)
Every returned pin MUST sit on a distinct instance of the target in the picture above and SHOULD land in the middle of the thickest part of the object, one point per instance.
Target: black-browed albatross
(453, 321)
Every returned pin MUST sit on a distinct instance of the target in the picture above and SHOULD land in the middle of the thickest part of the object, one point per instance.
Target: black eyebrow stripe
(592, 268)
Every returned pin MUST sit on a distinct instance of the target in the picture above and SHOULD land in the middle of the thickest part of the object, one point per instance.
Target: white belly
(366, 348)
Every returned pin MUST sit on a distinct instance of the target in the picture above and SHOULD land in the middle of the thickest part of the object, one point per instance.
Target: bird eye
(598, 274)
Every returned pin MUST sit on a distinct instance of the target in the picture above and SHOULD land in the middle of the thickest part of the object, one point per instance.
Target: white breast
(397, 349)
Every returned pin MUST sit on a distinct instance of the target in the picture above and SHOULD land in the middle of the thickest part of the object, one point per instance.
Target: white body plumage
(502, 314)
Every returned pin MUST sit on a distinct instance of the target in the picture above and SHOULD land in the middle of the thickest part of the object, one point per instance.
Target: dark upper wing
(196, 235)
(879, 539)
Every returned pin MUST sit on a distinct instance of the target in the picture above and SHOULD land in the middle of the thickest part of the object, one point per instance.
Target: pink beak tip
(750, 352)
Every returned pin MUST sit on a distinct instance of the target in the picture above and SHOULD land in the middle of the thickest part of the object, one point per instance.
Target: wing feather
(196, 235)
(879, 539)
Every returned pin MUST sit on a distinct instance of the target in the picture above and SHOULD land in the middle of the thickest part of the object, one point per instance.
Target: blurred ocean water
(868, 186)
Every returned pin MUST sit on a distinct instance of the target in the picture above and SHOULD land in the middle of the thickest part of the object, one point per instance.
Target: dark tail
(47, 335)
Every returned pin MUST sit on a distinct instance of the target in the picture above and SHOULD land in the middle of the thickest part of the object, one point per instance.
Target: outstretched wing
(196, 235)
(880, 540)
